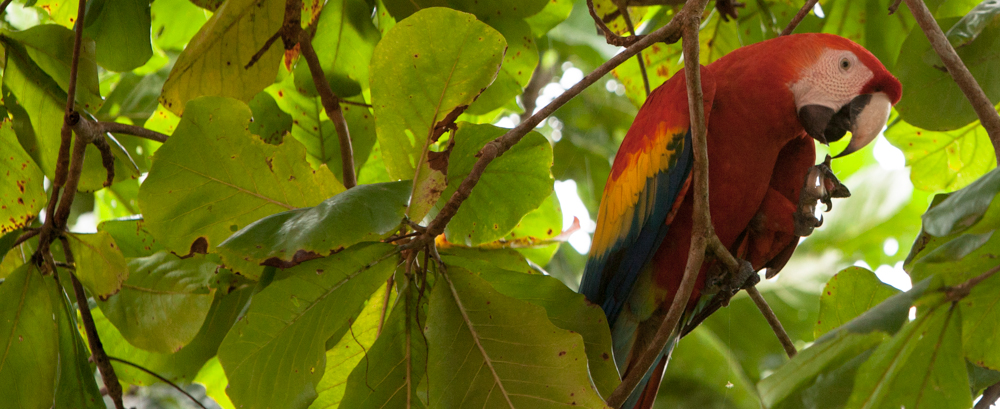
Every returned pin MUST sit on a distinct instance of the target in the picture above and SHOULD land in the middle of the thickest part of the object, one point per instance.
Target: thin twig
(669, 33)
(157, 376)
(357, 104)
(609, 35)
(894, 6)
(810, 4)
(638, 57)
(959, 72)
(115, 127)
(990, 396)
(96, 347)
(28, 234)
(3, 6)
(772, 320)
(702, 232)
(331, 104)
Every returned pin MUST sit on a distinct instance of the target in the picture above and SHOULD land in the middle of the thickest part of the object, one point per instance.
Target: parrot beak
(864, 116)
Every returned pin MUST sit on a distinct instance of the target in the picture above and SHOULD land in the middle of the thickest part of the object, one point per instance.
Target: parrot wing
(648, 181)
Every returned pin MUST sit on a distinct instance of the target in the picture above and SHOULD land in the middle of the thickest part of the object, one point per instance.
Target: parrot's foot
(821, 185)
(728, 9)
(727, 284)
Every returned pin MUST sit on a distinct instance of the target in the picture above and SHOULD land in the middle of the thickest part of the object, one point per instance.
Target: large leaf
(490, 350)
(921, 367)
(365, 213)
(121, 31)
(354, 346)
(37, 105)
(212, 178)
(183, 365)
(131, 237)
(565, 309)
(397, 361)
(981, 323)
(848, 294)
(966, 208)
(424, 73)
(29, 337)
(164, 302)
(947, 160)
(401, 9)
(281, 341)
(51, 47)
(512, 185)
(518, 65)
(344, 41)
(100, 265)
(174, 22)
(22, 194)
(933, 101)
(213, 63)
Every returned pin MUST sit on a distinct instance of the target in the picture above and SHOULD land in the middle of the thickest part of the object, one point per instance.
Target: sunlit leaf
(212, 178)
(413, 96)
(946, 160)
(121, 31)
(981, 323)
(22, 194)
(213, 63)
(51, 47)
(481, 341)
(344, 41)
(174, 22)
(281, 340)
(100, 265)
(847, 295)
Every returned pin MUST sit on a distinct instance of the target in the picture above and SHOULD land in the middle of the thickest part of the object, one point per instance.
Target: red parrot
(764, 105)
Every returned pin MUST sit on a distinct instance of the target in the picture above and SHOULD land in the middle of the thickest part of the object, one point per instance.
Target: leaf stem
(985, 110)
(116, 127)
(157, 376)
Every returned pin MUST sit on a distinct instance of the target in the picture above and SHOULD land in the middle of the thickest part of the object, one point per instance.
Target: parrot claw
(821, 186)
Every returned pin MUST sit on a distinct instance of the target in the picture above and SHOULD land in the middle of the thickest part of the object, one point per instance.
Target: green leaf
(565, 309)
(981, 323)
(535, 229)
(77, 387)
(401, 9)
(269, 121)
(27, 86)
(100, 265)
(213, 63)
(22, 195)
(697, 364)
(163, 303)
(63, 12)
(971, 25)
(424, 73)
(965, 208)
(349, 351)
(175, 22)
(281, 341)
(121, 31)
(214, 379)
(344, 41)
(933, 101)
(920, 367)
(364, 213)
(555, 12)
(511, 186)
(869, 24)
(799, 373)
(131, 236)
(887, 317)
(212, 178)
(490, 350)
(51, 47)
(396, 362)
(946, 160)
(847, 295)
(182, 366)
(519, 63)
(956, 259)
(29, 337)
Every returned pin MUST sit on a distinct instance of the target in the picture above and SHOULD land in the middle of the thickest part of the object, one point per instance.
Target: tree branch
(610, 36)
(157, 376)
(959, 72)
(669, 33)
(96, 347)
(116, 127)
(810, 4)
(773, 321)
(990, 396)
(703, 233)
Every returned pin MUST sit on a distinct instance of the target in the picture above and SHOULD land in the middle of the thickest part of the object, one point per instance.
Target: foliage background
(933, 144)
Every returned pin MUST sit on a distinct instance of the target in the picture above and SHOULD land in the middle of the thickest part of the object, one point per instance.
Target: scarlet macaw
(762, 103)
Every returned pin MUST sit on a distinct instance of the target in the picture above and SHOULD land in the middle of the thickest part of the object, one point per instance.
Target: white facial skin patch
(833, 80)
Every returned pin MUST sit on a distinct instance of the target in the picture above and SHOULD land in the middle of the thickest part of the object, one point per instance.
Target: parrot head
(842, 87)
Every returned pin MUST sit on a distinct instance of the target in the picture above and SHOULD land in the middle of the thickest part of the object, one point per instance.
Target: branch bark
(115, 127)
(810, 4)
(959, 72)
(773, 321)
(96, 347)
(990, 396)
(702, 232)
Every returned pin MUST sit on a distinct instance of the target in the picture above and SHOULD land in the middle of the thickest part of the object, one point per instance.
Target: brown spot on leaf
(561, 353)
(299, 257)
(200, 246)
(605, 356)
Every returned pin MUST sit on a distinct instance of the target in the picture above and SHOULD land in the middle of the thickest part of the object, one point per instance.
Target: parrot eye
(845, 64)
